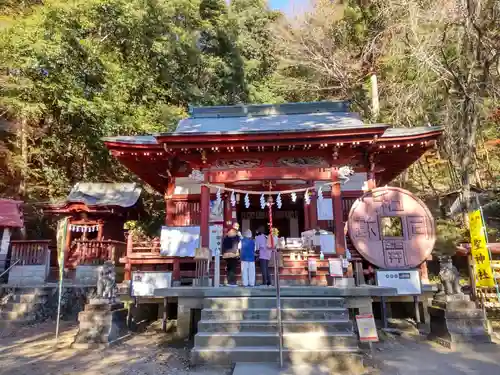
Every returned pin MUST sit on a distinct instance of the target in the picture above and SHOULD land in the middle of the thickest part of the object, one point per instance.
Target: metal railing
(10, 267)
(278, 303)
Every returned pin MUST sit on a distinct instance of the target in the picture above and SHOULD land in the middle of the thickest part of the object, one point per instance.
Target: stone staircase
(244, 329)
(23, 305)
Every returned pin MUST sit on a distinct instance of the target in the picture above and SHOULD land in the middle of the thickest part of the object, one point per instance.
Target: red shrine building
(261, 148)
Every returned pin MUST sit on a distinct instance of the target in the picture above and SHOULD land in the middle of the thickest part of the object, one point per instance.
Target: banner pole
(62, 232)
(59, 306)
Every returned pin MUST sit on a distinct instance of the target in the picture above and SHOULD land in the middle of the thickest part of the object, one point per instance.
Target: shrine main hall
(301, 146)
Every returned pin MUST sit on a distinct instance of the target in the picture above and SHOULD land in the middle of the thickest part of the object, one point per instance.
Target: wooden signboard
(367, 328)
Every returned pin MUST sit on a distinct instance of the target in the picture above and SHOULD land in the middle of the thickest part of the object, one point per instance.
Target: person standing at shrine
(264, 255)
(248, 259)
(230, 253)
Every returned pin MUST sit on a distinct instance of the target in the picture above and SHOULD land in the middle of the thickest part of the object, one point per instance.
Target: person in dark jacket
(248, 259)
(230, 252)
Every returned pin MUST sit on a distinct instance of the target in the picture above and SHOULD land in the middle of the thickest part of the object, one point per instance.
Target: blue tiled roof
(271, 123)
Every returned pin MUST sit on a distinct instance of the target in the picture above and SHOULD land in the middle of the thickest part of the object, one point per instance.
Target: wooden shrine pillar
(338, 219)
(228, 213)
(128, 265)
(307, 224)
(169, 203)
(313, 209)
(204, 215)
(371, 182)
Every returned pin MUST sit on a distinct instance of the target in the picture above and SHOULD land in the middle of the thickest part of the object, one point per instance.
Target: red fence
(185, 213)
(89, 252)
(30, 253)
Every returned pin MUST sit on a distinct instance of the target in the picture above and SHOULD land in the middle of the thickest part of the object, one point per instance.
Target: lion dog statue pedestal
(104, 319)
(455, 319)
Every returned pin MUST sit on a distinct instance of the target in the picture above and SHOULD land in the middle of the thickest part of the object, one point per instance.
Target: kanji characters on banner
(479, 251)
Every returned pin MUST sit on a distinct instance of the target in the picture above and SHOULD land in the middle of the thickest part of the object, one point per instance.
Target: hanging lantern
(294, 197)
(278, 201)
(233, 199)
(307, 197)
(262, 201)
(247, 201)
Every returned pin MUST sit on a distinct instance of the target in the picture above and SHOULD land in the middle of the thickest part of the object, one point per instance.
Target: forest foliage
(74, 71)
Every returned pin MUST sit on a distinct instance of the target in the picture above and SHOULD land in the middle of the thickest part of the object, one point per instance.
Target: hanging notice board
(145, 283)
(179, 241)
(183, 241)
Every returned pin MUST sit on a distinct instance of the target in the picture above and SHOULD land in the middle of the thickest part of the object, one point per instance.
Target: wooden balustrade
(30, 253)
(90, 252)
(152, 247)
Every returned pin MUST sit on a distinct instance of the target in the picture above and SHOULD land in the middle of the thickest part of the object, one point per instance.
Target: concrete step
(21, 308)
(344, 358)
(31, 290)
(29, 298)
(17, 316)
(270, 314)
(227, 326)
(306, 340)
(234, 303)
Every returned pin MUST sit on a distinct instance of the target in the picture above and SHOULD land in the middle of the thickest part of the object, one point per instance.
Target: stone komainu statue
(106, 284)
(449, 277)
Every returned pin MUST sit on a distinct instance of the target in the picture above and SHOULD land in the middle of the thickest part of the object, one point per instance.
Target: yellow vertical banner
(479, 251)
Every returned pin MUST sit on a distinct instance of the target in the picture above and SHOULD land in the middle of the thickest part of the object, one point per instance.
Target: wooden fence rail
(90, 252)
(30, 253)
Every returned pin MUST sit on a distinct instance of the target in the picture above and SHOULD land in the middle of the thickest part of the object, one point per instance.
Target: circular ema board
(392, 228)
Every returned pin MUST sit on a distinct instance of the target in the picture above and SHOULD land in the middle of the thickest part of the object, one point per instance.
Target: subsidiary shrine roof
(318, 129)
(98, 194)
(10, 214)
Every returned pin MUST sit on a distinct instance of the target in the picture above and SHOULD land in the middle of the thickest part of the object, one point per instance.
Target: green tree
(73, 72)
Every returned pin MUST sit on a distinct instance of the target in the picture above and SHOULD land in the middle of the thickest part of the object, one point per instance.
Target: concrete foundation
(87, 274)
(28, 275)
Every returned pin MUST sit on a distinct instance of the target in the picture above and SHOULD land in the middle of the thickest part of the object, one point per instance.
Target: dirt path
(412, 356)
(33, 351)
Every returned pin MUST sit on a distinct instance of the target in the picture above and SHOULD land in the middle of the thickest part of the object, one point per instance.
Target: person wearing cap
(248, 259)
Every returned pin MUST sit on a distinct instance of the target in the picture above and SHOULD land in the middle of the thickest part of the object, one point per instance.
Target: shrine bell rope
(268, 192)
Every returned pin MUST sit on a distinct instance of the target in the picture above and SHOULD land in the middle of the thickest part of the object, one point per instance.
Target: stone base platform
(456, 322)
(101, 324)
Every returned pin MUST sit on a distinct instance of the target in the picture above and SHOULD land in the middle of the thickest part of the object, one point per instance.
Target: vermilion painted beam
(270, 173)
(223, 143)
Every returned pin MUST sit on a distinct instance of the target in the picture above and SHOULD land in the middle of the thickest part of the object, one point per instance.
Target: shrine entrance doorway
(289, 219)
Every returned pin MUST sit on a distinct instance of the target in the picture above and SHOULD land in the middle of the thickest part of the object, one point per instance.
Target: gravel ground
(32, 350)
(414, 355)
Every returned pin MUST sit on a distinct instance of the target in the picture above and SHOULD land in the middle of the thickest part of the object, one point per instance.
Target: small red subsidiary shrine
(252, 147)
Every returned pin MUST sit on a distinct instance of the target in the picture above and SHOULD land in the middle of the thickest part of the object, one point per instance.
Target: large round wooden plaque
(392, 228)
